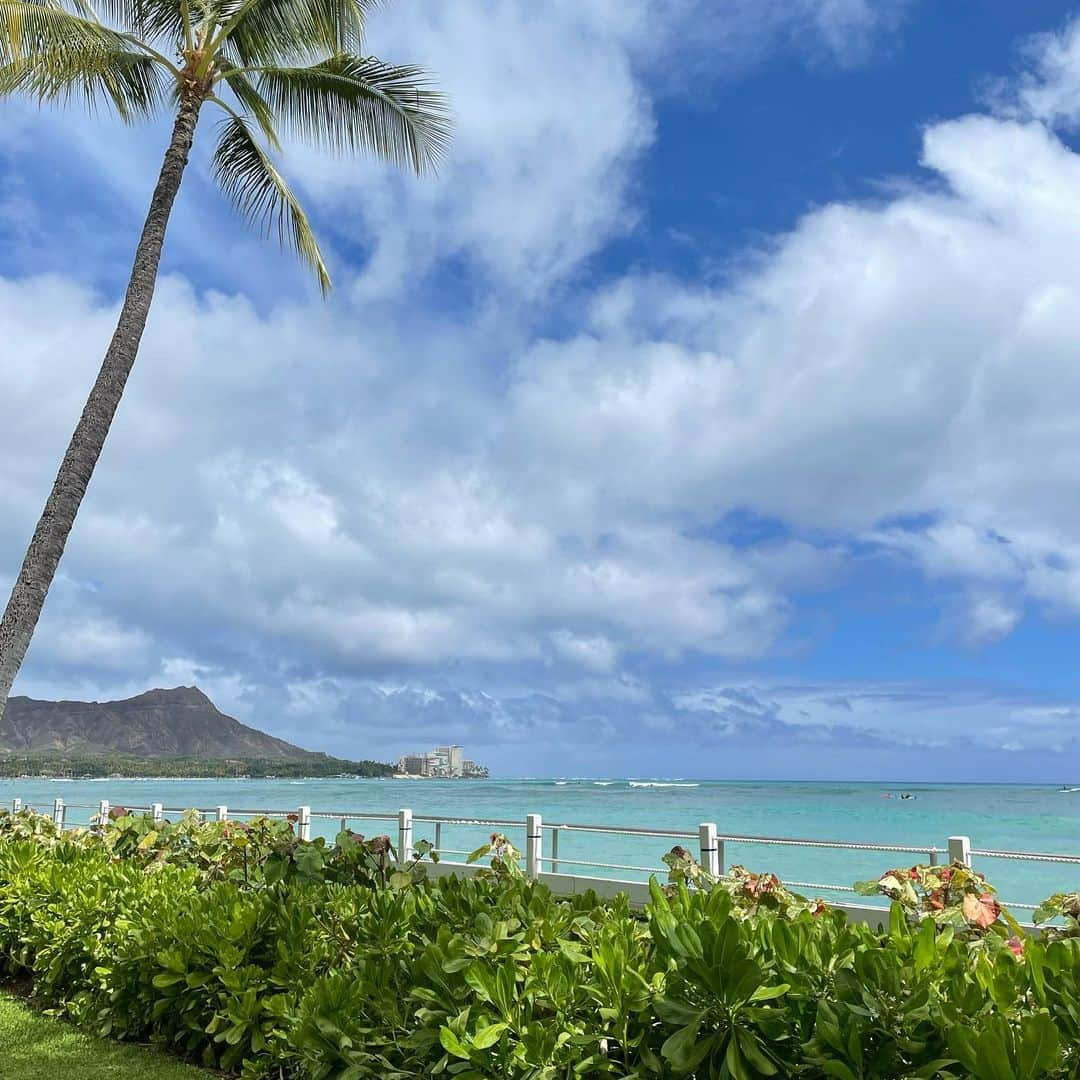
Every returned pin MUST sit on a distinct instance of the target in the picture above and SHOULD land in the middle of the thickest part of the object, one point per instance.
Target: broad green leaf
(754, 1054)
(839, 1070)
(452, 1044)
(926, 945)
(679, 1048)
(488, 1036)
(1039, 1045)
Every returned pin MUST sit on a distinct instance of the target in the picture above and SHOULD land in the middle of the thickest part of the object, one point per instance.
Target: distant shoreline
(97, 778)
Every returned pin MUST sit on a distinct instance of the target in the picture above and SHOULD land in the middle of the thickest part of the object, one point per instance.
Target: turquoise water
(1039, 819)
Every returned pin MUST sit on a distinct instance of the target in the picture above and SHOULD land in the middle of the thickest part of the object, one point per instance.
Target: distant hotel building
(442, 761)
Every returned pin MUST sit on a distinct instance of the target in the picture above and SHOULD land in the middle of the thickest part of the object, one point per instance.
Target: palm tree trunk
(50, 537)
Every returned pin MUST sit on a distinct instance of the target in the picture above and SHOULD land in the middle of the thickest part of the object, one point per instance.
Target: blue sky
(721, 392)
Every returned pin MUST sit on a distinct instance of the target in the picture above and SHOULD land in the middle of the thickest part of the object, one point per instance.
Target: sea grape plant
(751, 892)
(494, 978)
(1064, 907)
(953, 895)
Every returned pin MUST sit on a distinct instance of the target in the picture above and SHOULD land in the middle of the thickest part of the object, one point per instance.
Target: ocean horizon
(1002, 816)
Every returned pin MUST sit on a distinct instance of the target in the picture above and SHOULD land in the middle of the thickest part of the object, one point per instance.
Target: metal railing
(571, 871)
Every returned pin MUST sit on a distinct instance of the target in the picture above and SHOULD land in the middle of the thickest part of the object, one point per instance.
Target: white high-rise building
(442, 761)
(451, 758)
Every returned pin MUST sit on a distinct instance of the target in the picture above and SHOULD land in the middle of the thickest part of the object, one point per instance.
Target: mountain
(160, 724)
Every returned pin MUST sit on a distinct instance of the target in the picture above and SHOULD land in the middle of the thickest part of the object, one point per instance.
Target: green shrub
(253, 952)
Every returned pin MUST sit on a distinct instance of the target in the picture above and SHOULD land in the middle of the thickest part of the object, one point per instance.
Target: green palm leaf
(254, 104)
(130, 80)
(297, 62)
(52, 55)
(152, 20)
(260, 194)
(280, 31)
(28, 27)
(350, 103)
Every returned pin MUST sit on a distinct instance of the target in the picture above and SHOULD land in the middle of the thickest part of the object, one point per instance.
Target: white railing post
(707, 843)
(404, 836)
(304, 824)
(223, 813)
(16, 805)
(103, 812)
(960, 850)
(534, 846)
(555, 849)
(438, 836)
(156, 810)
(58, 812)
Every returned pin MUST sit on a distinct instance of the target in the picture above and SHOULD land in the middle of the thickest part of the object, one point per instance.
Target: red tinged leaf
(981, 911)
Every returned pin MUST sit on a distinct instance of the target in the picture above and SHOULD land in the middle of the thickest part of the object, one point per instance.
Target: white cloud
(307, 496)
(336, 521)
(988, 618)
(912, 358)
(553, 110)
(909, 361)
(898, 714)
(592, 653)
(1049, 90)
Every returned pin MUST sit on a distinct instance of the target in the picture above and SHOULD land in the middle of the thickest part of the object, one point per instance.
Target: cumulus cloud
(301, 503)
(552, 114)
(899, 373)
(354, 537)
(1049, 88)
(885, 730)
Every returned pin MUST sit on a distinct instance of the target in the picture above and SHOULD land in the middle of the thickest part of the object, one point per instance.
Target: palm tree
(266, 65)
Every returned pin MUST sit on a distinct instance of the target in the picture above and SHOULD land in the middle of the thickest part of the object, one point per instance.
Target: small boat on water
(1065, 788)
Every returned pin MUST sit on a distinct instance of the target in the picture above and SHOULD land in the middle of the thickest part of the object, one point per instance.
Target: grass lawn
(34, 1047)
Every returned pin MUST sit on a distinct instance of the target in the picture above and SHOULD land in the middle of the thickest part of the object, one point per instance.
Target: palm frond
(254, 104)
(350, 103)
(276, 31)
(134, 83)
(52, 55)
(29, 26)
(153, 20)
(259, 193)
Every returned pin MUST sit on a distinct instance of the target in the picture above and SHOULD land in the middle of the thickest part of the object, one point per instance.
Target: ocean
(1040, 819)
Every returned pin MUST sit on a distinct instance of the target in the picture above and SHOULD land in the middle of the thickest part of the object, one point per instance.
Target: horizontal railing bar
(911, 849)
(839, 845)
(560, 859)
(233, 811)
(818, 885)
(468, 821)
(1031, 856)
(604, 830)
(615, 830)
